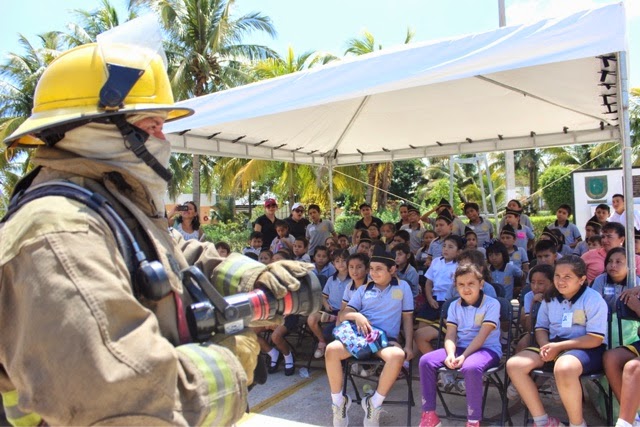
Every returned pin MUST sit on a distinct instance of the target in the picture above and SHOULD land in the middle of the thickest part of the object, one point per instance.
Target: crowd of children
(397, 278)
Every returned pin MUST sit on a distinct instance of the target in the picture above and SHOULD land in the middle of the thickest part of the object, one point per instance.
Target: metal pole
(627, 165)
(484, 196)
(332, 204)
(493, 197)
(451, 180)
(508, 155)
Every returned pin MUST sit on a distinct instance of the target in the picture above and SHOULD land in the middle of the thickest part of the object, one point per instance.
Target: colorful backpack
(360, 346)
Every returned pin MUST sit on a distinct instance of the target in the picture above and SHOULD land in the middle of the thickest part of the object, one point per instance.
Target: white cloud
(525, 11)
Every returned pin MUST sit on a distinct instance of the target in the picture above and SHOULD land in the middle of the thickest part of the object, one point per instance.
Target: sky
(327, 25)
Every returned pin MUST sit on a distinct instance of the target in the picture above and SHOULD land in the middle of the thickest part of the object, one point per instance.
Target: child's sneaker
(512, 392)
(371, 414)
(552, 422)
(322, 346)
(430, 419)
(446, 381)
(472, 424)
(340, 416)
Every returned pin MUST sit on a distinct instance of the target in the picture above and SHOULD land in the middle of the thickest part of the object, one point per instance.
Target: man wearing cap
(415, 229)
(457, 226)
(318, 230)
(266, 223)
(93, 332)
(297, 222)
(367, 219)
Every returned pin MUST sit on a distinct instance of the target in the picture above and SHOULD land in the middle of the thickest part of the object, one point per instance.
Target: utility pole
(508, 155)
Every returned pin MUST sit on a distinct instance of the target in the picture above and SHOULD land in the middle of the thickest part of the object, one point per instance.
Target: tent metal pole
(625, 145)
(484, 195)
(331, 203)
(493, 197)
(451, 181)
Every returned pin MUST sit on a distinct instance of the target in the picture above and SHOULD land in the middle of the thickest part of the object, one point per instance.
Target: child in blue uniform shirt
(523, 233)
(592, 228)
(568, 229)
(503, 272)
(472, 345)
(443, 227)
(573, 322)
(517, 255)
(406, 268)
(386, 304)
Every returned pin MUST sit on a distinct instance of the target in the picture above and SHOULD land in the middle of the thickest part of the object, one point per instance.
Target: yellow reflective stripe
(222, 387)
(228, 276)
(14, 415)
(631, 349)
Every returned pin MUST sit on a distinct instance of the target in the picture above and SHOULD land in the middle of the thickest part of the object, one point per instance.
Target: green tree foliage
(407, 175)
(441, 191)
(555, 183)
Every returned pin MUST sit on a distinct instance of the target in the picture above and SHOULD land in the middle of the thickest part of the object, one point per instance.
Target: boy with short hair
(603, 212)
(592, 228)
(300, 246)
(223, 249)
(569, 230)
(517, 254)
(318, 230)
(415, 229)
(594, 242)
(386, 304)
(482, 227)
(255, 243)
(367, 217)
(364, 246)
(283, 240)
(443, 229)
(546, 252)
(522, 233)
(343, 241)
(323, 266)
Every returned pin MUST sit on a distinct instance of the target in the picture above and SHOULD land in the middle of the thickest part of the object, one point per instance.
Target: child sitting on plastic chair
(472, 344)
(386, 304)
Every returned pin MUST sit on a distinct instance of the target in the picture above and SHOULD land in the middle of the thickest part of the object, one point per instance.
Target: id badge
(567, 320)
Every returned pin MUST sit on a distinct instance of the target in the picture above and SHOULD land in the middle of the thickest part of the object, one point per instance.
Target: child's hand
(538, 297)
(449, 361)
(432, 302)
(548, 352)
(458, 361)
(408, 352)
(364, 327)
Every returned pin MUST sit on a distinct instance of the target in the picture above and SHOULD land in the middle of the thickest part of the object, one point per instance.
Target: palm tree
(378, 174)
(94, 22)
(278, 66)
(205, 50)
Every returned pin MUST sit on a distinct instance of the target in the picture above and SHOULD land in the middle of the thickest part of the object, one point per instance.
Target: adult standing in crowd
(404, 216)
(266, 224)
(297, 222)
(618, 215)
(186, 219)
(367, 218)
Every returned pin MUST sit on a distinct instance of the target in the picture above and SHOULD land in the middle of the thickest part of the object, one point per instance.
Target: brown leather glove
(281, 277)
(246, 348)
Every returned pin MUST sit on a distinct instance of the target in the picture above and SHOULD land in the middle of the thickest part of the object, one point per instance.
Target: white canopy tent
(551, 83)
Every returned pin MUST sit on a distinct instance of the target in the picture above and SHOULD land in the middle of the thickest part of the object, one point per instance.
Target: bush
(556, 187)
(234, 233)
(346, 223)
(540, 222)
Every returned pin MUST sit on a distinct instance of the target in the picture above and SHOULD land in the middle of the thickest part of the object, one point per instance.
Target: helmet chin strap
(134, 139)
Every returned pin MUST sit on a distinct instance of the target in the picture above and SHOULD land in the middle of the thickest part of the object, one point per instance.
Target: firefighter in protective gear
(78, 346)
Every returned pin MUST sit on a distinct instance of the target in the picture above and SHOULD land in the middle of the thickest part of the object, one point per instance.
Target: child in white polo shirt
(472, 345)
(573, 322)
(386, 304)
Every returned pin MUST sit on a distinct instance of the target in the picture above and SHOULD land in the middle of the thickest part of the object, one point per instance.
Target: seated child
(282, 254)
(387, 231)
(439, 280)
(477, 258)
(283, 240)
(386, 304)
(592, 228)
(571, 331)
(266, 256)
(443, 227)
(471, 240)
(613, 281)
(481, 226)
(255, 243)
(405, 267)
(472, 345)
(374, 231)
(517, 255)
(400, 236)
(355, 239)
(603, 212)
(523, 233)
(364, 246)
(421, 254)
(595, 242)
(343, 241)
(300, 247)
(503, 272)
(541, 277)
(332, 294)
(223, 249)
(323, 266)
(358, 266)
(280, 345)
(568, 229)
(622, 367)
(546, 253)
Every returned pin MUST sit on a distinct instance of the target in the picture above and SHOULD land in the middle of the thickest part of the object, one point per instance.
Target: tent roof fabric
(550, 83)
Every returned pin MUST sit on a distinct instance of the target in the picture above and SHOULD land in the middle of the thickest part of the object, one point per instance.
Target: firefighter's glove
(281, 277)
(246, 348)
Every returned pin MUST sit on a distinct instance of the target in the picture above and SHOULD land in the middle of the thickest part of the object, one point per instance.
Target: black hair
(616, 227)
(321, 248)
(304, 241)
(256, 235)
(471, 205)
(478, 259)
(340, 253)
(596, 238)
(459, 241)
(566, 208)
(281, 223)
(516, 202)
(390, 225)
(613, 251)
(195, 222)
(223, 245)
(252, 255)
(578, 266)
(617, 195)
(314, 206)
(364, 258)
(406, 249)
(403, 234)
(604, 206)
(498, 248)
(364, 205)
(548, 271)
(343, 235)
(545, 245)
(284, 254)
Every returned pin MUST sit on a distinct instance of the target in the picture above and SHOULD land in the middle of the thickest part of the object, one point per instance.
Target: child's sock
(622, 423)
(541, 420)
(582, 424)
(288, 359)
(274, 354)
(337, 398)
(377, 399)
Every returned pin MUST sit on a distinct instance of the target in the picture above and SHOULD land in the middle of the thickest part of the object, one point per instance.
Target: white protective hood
(537, 85)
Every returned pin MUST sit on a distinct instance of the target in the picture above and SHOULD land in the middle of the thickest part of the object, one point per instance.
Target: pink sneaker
(472, 424)
(430, 419)
(552, 422)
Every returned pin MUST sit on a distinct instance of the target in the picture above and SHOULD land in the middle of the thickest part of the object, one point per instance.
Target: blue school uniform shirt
(581, 248)
(609, 290)
(441, 274)
(470, 318)
(528, 298)
(519, 256)
(584, 314)
(435, 248)
(410, 275)
(383, 308)
(523, 235)
(484, 231)
(569, 231)
(327, 271)
(334, 290)
(349, 290)
(506, 276)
